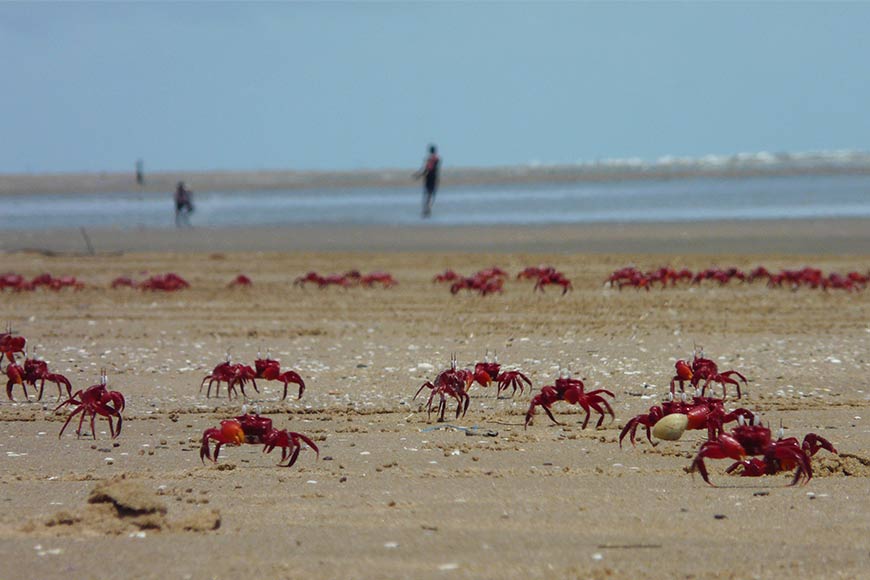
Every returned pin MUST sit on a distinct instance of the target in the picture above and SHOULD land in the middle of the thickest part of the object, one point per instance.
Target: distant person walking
(429, 173)
(183, 204)
(140, 172)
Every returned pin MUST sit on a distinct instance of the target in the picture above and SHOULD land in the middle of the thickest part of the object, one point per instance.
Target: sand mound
(846, 464)
(122, 506)
(130, 498)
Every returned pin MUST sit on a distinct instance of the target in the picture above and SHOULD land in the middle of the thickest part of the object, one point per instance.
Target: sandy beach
(394, 495)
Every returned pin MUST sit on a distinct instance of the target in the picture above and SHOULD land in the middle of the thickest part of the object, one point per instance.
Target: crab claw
(232, 432)
(482, 377)
(731, 447)
(684, 371)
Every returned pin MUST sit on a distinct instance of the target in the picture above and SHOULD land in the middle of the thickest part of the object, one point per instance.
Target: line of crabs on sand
(806, 277)
(491, 280)
(98, 401)
(750, 444)
(349, 279)
(171, 282)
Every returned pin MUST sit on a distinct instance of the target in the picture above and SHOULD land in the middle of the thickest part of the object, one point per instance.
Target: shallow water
(697, 199)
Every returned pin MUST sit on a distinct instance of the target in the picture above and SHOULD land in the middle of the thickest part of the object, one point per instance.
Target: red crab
(668, 275)
(553, 278)
(344, 280)
(571, 391)
(11, 344)
(42, 280)
(353, 277)
(704, 369)
(123, 282)
(93, 401)
(15, 281)
(488, 371)
(15, 374)
(270, 369)
(755, 440)
(37, 370)
(723, 276)
(447, 276)
(164, 282)
(48, 281)
(313, 277)
(337, 280)
(701, 412)
(240, 280)
(759, 272)
(255, 430)
(487, 281)
(482, 284)
(233, 375)
(513, 379)
(628, 276)
(449, 383)
(64, 282)
(535, 272)
(485, 372)
(385, 279)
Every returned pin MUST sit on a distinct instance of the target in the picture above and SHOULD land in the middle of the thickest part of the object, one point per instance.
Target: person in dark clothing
(183, 204)
(140, 172)
(429, 173)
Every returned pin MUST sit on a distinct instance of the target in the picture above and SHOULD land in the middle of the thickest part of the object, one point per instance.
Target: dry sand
(388, 499)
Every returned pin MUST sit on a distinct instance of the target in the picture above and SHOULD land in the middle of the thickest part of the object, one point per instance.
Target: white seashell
(671, 427)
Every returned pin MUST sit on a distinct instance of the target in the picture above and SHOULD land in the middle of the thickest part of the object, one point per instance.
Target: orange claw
(232, 432)
(684, 371)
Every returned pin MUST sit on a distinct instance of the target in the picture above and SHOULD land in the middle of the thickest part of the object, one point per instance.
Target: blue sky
(93, 86)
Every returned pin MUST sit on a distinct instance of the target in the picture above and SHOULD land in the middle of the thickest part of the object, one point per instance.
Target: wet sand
(390, 499)
(264, 180)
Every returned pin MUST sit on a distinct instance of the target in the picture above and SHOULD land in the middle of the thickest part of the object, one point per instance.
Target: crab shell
(671, 427)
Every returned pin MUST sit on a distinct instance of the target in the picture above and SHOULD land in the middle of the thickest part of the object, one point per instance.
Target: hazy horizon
(366, 86)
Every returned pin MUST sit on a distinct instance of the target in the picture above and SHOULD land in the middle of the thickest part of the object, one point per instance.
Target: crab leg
(73, 414)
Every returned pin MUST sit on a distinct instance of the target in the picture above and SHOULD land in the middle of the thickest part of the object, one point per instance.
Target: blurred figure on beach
(183, 204)
(429, 173)
(140, 172)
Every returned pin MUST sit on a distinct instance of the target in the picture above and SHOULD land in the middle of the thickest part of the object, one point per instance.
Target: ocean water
(695, 199)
